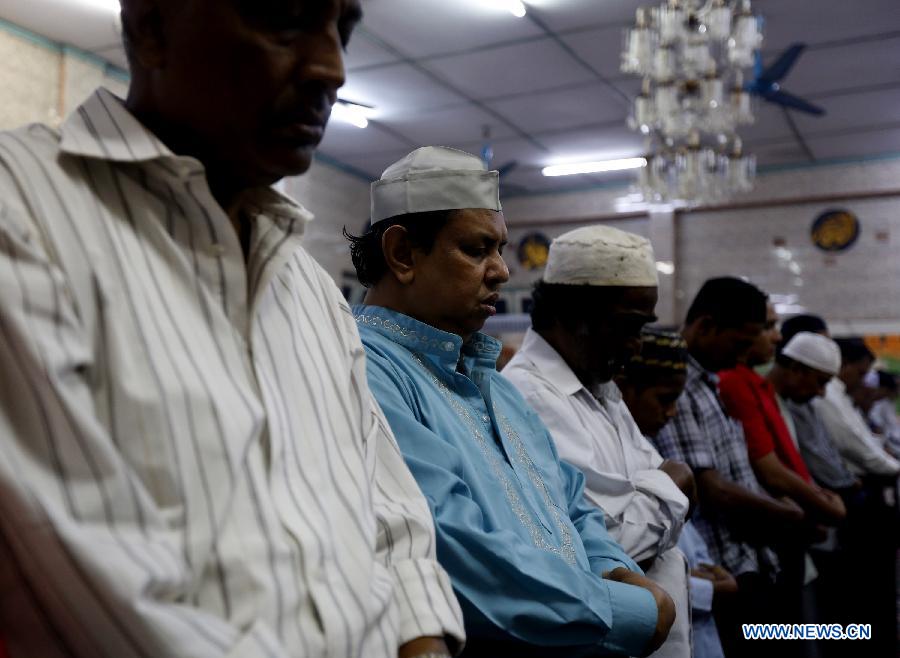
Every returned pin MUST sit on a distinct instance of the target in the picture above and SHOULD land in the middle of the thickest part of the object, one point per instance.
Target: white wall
(857, 290)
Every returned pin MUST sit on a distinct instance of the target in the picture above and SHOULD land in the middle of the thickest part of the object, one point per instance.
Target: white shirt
(853, 438)
(884, 415)
(191, 461)
(644, 508)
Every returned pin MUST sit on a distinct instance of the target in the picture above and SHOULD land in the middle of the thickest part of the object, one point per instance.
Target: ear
(142, 27)
(398, 254)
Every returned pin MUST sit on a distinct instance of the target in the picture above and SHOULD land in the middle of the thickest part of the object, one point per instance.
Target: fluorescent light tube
(594, 167)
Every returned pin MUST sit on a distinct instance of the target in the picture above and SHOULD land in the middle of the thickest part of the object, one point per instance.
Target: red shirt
(750, 399)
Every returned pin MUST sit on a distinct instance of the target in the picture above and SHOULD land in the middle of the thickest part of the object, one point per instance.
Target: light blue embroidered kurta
(523, 549)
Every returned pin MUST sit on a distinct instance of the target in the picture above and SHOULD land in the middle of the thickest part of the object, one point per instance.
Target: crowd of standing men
(207, 452)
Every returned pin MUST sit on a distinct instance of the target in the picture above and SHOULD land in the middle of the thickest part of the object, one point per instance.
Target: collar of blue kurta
(445, 348)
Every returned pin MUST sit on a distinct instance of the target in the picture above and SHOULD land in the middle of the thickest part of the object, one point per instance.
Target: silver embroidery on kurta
(567, 549)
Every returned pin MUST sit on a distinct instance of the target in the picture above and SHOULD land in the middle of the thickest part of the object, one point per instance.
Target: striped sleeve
(406, 537)
(85, 555)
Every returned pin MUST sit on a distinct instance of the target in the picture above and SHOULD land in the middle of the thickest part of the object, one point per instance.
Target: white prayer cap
(434, 178)
(815, 351)
(601, 256)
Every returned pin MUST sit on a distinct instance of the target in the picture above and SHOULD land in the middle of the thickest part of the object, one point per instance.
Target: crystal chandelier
(691, 55)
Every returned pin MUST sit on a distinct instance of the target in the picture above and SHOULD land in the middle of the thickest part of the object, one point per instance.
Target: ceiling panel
(561, 15)
(858, 110)
(857, 65)
(363, 51)
(791, 21)
(600, 48)
(458, 124)
(860, 145)
(511, 69)
(786, 152)
(599, 144)
(425, 27)
(342, 139)
(373, 163)
(396, 91)
(589, 103)
(770, 125)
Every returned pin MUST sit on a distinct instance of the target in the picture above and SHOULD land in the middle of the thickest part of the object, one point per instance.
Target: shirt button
(448, 346)
(486, 418)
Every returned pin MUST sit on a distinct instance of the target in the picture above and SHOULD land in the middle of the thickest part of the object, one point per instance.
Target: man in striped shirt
(190, 458)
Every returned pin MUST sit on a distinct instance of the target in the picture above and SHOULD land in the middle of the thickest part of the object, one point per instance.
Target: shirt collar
(417, 336)
(549, 363)
(697, 371)
(103, 128)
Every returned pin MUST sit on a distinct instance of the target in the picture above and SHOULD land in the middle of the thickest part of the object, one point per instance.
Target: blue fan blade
(508, 167)
(785, 99)
(757, 67)
(783, 64)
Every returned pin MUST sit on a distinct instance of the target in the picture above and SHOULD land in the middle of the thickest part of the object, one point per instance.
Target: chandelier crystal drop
(691, 56)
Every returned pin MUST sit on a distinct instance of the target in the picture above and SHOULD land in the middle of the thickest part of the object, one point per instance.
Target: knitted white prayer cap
(434, 178)
(601, 256)
(815, 351)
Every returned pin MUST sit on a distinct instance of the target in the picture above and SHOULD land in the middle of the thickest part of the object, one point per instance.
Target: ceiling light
(514, 7)
(593, 167)
(352, 113)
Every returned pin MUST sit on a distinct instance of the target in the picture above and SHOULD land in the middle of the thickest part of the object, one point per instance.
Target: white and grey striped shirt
(191, 462)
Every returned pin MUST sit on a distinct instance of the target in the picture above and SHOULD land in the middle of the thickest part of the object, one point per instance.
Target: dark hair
(794, 325)
(730, 302)
(887, 380)
(854, 350)
(568, 304)
(367, 254)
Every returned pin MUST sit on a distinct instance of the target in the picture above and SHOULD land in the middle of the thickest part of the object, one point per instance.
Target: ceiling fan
(766, 82)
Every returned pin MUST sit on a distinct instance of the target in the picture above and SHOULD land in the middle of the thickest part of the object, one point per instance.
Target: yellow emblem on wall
(533, 251)
(835, 230)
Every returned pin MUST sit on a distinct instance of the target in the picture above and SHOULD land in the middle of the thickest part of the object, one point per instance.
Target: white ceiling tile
(602, 144)
(600, 48)
(590, 102)
(372, 163)
(574, 14)
(511, 69)
(424, 27)
(853, 111)
(857, 145)
(829, 69)
(363, 51)
(770, 124)
(396, 91)
(458, 124)
(342, 139)
(790, 22)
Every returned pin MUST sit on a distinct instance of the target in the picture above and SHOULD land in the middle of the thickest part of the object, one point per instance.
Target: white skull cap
(814, 351)
(434, 178)
(601, 256)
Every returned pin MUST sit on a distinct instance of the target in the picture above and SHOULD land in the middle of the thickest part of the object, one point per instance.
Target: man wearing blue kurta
(531, 562)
